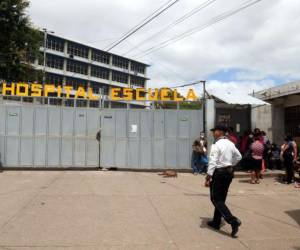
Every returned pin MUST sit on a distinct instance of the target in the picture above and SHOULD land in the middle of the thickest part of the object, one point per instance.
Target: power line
(190, 32)
(173, 24)
(149, 19)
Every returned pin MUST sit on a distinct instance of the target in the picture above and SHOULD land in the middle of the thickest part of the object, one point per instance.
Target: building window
(55, 43)
(100, 72)
(137, 81)
(97, 86)
(75, 83)
(55, 62)
(119, 77)
(100, 56)
(77, 67)
(138, 67)
(57, 80)
(120, 62)
(78, 50)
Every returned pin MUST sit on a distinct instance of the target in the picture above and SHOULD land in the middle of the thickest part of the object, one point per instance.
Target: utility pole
(203, 104)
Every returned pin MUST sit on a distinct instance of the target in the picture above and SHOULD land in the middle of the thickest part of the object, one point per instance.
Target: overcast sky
(257, 48)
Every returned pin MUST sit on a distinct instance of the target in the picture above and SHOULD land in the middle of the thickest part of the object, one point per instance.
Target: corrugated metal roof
(231, 97)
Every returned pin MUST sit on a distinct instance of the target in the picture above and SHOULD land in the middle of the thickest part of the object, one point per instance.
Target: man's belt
(228, 169)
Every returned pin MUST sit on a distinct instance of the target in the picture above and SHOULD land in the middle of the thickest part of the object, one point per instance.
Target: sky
(255, 49)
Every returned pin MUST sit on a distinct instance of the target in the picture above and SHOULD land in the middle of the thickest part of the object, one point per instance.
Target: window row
(78, 50)
(77, 67)
(97, 86)
(100, 56)
(100, 72)
(57, 80)
(55, 62)
(119, 77)
(137, 81)
(55, 43)
(54, 79)
(137, 67)
(120, 62)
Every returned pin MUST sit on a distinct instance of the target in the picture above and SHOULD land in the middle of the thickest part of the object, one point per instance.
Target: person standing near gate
(223, 157)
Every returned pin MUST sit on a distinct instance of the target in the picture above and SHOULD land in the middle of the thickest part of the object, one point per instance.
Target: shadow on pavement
(203, 224)
(295, 214)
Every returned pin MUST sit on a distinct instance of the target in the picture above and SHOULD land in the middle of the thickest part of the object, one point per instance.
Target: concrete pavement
(128, 210)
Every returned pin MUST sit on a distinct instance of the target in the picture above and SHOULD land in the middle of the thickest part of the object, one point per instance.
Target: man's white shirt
(223, 154)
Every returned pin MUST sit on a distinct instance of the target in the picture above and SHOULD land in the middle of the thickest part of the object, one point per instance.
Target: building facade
(283, 115)
(78, 65)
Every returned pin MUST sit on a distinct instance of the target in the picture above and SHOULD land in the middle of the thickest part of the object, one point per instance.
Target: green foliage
(19, 42)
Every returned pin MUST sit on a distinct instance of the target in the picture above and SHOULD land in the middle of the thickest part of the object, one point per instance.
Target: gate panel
(79, 152)
(159, 123)
(12, 151)
(40, 151)
(67, 152)
(158, 153)
(26, 152)
(67, 141)
(53, 156)
(13, 121)
(108, 138)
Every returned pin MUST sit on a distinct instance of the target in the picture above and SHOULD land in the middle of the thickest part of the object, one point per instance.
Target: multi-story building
(75, 64)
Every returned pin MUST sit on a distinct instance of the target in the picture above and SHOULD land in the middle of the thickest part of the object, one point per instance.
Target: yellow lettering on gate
(114, 94)
(127, 94)
(175, 96)
(138, 94)
(49, 89)
(10, 88)
(164, 95)
(58, 91)
(80, 92)
(91, 95)
(68, 90)
(36, 89)
(19, 92)
(152, 97)
(191, 95)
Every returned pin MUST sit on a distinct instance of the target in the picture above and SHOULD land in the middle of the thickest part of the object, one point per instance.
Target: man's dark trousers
(219, 186)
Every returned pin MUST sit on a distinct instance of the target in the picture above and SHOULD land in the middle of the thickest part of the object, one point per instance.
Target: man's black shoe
(235, 227)
(213, 225)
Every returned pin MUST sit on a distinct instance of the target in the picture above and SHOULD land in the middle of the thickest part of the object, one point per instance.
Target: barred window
(100, 72)
(55, 62)
(100, 56)
(55, 43)
(119, 77)
(54, 79)
(77, 50)
(77, 67)
(138, 67)
(120, 62)
(137, 81)
(97, 86)
(75, 83)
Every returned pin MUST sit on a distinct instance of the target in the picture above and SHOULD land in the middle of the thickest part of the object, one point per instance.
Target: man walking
(223, 157)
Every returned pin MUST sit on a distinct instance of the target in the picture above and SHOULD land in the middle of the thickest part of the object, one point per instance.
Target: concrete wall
(261, 117)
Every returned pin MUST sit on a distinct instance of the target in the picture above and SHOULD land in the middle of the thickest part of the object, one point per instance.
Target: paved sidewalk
(127, 210)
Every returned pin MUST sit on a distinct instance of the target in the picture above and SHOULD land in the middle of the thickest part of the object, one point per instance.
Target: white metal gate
(46, 136)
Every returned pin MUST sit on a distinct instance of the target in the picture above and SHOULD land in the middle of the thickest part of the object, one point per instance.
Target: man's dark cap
(220, 127)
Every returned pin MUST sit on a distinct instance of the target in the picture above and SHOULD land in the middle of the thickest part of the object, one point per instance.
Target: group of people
(258, 154)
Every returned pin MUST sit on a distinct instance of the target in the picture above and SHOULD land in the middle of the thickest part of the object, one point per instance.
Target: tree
(19, 42)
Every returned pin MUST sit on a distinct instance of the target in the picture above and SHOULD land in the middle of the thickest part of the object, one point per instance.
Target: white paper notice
(133, 128)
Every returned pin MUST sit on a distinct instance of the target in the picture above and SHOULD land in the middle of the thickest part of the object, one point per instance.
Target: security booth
(232, 109)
